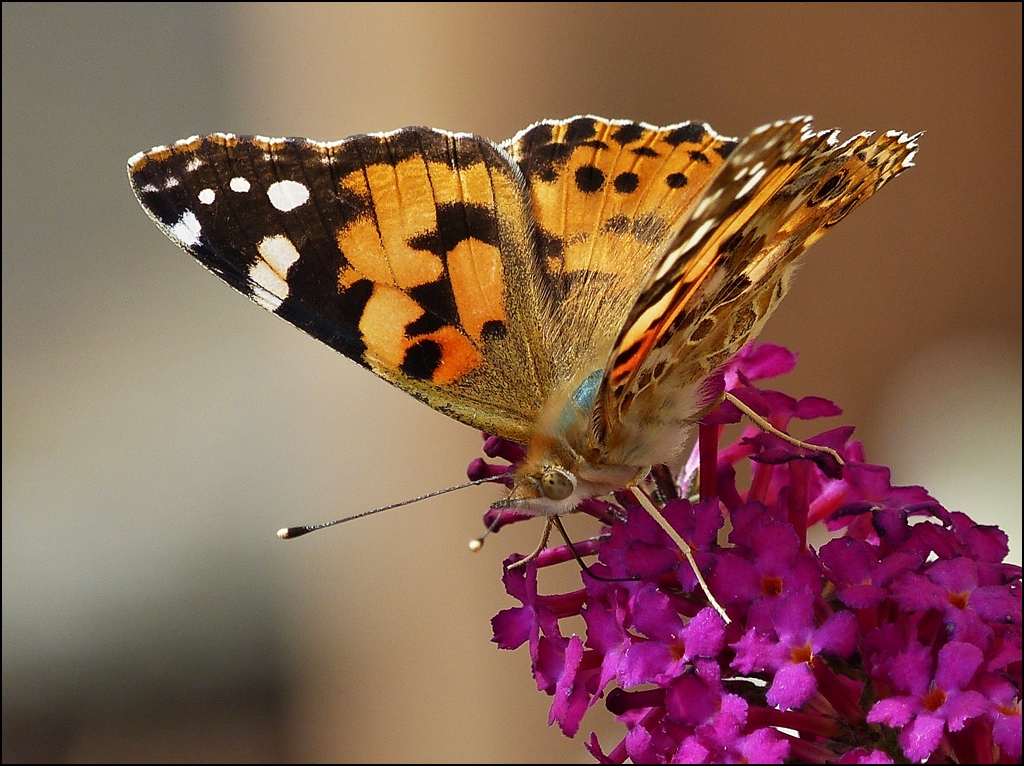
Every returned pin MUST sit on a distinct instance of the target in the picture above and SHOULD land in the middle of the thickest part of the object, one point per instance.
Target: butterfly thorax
(570, 460)
(564, 464)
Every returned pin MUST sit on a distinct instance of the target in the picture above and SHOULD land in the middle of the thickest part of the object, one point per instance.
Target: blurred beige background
(158, 428)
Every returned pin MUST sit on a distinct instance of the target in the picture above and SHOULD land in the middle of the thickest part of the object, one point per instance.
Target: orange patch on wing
(602, 253)
(471, 184)
(476, 276)
(458, 355)
(404, 206)
(403, 200)
(383, 324)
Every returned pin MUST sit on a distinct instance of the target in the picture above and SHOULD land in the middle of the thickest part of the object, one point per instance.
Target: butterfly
(573, 288)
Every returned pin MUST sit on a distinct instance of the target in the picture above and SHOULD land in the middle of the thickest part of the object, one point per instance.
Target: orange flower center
(934, 699)
(801, 653)
(959, 600)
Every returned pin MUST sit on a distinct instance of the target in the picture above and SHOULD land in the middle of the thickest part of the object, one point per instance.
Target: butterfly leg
(548, 523)
(684, 546)
(765, 426)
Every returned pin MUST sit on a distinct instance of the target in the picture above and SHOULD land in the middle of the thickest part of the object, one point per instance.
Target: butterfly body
(573, 288)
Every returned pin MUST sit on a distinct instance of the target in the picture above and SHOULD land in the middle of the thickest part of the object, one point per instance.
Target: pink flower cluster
(898, 639)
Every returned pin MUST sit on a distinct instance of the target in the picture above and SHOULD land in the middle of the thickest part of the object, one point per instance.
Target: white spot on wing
(187, 230)
(697, 236)
(278, 254)
(239, 184)
(755, 179)
(264, 297)
(207, 196)
(193, 164)
(287, 195)
(707, 201)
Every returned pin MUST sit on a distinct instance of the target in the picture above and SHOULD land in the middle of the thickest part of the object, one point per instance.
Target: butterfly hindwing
(605, 198)
(408, 252)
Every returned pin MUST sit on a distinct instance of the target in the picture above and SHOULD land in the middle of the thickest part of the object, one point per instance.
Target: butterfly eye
(557, 484)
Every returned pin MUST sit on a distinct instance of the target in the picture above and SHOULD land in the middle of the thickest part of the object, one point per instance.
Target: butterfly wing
(726, 270)
(605, 196)
(408, 252)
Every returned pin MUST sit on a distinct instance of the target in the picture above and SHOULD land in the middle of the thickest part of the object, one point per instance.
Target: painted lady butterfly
(572, 288)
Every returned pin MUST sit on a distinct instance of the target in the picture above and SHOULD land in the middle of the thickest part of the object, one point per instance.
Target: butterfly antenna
(289, 533)
(478, 543)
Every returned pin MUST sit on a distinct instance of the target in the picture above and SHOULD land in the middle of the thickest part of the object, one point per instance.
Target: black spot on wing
(626, 183)
(831, 189)
(627, 134)
(676, 180)
(644, 151)
(727, 148)
(550, 251)
(494, 329)
(699, 157)
(426, 324)
(545, 162)
(617, 224)
(535, 137)
(687, 133)
(589, 179)
(644, 380)
(581, 129)
(701, 330)
(743, 320)
(422, 359)
(649, 228)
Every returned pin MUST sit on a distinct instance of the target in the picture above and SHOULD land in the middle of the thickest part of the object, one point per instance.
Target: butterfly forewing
(407, 252)
(728, 267)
